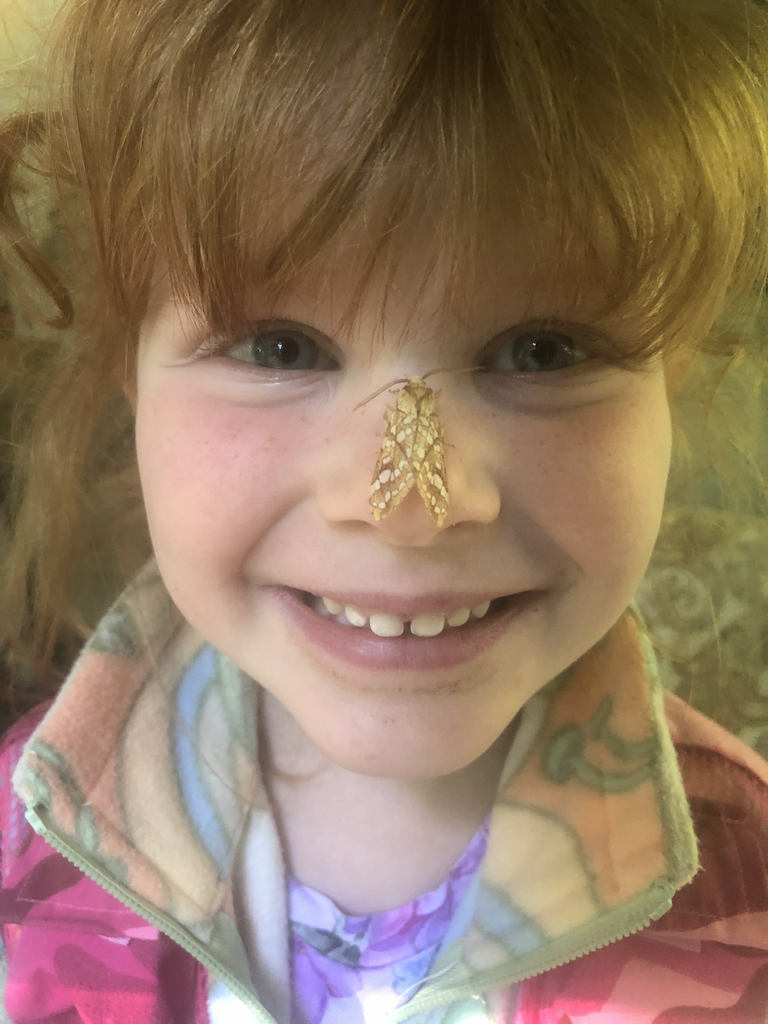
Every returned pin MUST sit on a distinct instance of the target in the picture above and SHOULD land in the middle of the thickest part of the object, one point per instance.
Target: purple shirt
(352, 970)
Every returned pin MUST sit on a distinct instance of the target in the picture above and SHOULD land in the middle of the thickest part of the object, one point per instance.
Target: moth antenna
(370, 398)
(451, 369)
(407, 380)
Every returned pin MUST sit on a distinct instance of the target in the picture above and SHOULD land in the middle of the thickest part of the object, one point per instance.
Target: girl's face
(256, 482)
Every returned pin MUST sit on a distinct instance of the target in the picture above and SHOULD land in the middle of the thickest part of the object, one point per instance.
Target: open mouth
(382, 642)
(386, 625)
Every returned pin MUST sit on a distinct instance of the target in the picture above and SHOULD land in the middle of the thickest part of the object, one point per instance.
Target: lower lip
(360, 647)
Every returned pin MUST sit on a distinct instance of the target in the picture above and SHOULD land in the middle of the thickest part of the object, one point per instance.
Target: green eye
(282, 349)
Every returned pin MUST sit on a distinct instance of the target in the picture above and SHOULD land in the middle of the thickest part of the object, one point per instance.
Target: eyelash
(216, 348)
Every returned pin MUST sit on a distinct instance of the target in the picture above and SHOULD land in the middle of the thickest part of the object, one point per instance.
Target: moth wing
(393, 476)
(431, 477)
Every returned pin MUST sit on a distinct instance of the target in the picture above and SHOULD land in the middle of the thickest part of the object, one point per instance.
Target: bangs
(248, 142)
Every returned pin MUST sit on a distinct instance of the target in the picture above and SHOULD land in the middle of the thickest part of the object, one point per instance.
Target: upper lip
(406, 606)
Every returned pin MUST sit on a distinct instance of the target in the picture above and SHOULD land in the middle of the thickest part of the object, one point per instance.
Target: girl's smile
(346, 637)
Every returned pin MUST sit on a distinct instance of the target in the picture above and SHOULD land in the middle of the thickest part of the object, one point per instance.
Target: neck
(370, 843)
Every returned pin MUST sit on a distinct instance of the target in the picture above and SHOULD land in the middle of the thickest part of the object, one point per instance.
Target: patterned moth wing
(412, 453)
(428, 450)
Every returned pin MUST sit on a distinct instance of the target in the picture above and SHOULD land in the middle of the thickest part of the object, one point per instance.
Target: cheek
(214, 477)
(598, 485)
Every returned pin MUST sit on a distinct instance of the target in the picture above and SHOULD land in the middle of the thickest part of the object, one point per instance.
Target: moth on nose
(412, 454)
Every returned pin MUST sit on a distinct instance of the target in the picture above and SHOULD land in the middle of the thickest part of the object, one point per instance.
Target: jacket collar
(590, 834)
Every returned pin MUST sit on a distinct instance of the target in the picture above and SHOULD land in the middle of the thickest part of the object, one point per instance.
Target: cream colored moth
(412, 453)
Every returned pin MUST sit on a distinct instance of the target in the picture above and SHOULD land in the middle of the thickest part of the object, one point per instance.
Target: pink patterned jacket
(626, 875)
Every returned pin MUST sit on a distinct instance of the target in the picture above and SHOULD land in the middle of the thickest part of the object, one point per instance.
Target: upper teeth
(386, 624)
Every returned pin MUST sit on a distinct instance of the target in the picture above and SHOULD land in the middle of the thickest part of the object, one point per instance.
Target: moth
(412, 453)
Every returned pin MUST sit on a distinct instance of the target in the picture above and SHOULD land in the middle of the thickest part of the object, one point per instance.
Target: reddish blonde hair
(238, 142)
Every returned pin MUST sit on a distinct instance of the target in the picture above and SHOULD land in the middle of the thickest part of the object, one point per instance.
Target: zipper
(629, 919)
(163, 922)
(632, 918)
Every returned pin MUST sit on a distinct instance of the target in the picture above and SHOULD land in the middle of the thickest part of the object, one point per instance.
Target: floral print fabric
(354, 970)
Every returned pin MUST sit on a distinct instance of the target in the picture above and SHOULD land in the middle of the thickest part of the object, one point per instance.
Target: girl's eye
(534, 352)
(282, 348)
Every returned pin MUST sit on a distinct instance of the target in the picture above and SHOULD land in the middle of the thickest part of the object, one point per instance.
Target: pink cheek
(214, 478)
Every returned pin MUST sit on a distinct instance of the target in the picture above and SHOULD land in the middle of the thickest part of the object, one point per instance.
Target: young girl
(395, 299)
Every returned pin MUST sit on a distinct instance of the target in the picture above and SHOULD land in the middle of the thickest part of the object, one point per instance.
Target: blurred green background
(23, 32)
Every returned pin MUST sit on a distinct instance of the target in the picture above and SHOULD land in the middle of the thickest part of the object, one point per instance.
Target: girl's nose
(343, 489)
